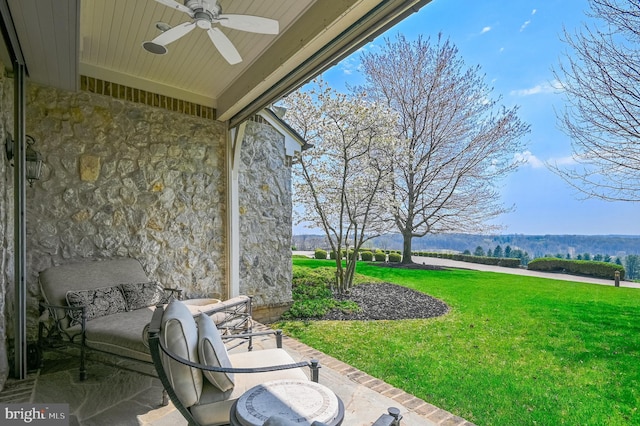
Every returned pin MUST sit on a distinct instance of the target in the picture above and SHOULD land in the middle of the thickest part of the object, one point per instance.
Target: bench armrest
(232, 316)
(247, 335)
(54, 321)
(173, 293)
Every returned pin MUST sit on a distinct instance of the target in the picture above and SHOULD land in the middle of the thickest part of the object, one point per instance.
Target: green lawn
(513, 350)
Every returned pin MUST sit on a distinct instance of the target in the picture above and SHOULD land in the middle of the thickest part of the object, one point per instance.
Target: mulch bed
(387, 301)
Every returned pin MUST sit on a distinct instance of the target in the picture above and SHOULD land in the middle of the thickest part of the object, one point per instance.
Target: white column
(234, 144)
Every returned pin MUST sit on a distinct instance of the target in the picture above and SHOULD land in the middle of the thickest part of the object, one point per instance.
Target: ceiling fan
(204, 14)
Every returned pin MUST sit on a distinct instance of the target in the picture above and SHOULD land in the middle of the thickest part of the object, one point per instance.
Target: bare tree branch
(455, 143)
(601, 77)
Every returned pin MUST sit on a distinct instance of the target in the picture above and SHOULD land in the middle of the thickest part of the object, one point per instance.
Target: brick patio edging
(417, 405)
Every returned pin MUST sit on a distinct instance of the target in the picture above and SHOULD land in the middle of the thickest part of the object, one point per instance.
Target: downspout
(20, 223)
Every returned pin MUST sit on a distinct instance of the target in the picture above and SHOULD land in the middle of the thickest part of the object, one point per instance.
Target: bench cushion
(119, 334)
(87, 275)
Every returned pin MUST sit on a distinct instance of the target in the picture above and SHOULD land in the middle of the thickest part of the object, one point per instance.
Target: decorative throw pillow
(212, 352)
(99, 302)
(141, 295)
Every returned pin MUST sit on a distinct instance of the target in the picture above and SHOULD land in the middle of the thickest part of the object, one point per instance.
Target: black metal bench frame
(236, 324)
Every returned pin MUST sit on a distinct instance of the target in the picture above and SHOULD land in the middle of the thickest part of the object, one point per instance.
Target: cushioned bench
(106, 306)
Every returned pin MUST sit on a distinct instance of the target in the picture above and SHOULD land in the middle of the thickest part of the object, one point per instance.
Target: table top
(200, 305)
(299, 401)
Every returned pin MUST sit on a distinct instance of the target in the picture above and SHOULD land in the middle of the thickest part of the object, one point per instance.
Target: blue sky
(517, 44)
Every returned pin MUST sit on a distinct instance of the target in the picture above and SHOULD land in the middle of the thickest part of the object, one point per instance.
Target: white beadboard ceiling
(63, 39)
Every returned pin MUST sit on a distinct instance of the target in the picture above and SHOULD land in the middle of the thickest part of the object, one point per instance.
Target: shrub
(484, 260)
(395, 257)
(312, 295)
(380, 256)
(332, 254)
(366, 256)
(320, 254)
(578, 267)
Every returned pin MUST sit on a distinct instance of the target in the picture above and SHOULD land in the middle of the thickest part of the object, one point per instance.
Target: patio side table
(299, 401)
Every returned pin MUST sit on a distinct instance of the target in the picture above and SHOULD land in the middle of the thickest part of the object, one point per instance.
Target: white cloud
(528, 21)
(542, 88)
(562, 161)
(350, 65)
(527, 157)
(485, 30)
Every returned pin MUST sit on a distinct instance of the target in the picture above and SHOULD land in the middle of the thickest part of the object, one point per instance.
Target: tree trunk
(406, 247)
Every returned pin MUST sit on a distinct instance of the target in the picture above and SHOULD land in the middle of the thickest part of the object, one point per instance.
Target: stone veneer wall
(6, 218)
(265, 220)
(125, 179)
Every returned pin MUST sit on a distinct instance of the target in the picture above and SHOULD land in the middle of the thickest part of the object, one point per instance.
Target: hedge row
(497, 261)
(590, 268)
(368, 256)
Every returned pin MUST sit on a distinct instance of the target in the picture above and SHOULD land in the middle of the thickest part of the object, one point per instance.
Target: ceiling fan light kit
(152, 47)
(163, 26)
(204, 14)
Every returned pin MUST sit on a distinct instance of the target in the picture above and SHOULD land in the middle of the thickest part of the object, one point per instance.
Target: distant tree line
(630, 262)
(508, 253)
(535, 245)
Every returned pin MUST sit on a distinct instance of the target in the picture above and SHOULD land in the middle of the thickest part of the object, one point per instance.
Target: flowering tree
(340, 182)
(454, 142)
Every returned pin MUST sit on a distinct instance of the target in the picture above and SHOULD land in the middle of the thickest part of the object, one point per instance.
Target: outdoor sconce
(33, 159)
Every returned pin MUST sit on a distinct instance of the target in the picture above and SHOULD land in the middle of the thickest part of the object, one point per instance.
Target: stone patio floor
(113, 396)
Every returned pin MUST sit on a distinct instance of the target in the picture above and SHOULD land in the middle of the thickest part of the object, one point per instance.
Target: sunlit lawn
(513, 350)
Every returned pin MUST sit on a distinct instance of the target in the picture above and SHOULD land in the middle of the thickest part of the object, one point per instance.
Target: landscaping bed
(386, 301)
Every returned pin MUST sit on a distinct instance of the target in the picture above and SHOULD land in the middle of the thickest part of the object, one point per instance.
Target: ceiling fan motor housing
(209, 8)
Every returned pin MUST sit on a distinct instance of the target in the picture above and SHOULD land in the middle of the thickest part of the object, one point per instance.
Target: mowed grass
(513, 350)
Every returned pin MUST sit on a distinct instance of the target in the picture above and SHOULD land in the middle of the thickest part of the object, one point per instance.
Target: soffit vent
(126, 93)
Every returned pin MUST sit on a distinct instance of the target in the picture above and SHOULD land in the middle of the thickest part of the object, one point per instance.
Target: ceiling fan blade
(174, 33)
(175, 5)
(253, 24)
(224, 46)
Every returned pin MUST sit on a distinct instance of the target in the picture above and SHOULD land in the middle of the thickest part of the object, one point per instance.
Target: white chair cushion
(214, 406)
(212, 351)
(180, 335)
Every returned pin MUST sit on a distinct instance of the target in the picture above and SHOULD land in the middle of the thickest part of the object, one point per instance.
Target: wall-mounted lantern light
(33, 159)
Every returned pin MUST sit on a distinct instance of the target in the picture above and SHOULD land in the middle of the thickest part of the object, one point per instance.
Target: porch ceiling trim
(386, 14)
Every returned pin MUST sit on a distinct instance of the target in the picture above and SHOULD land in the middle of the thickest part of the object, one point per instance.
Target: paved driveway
(517, 271)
